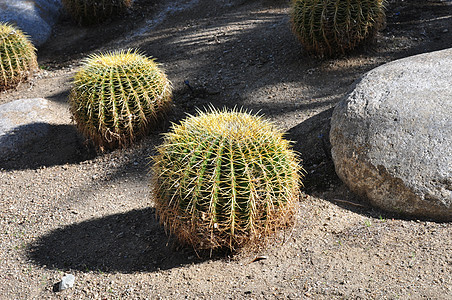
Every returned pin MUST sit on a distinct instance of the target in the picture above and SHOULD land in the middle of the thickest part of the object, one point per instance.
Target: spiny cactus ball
(89, 12)
(332, 27)
(17, 56)
(118, 96)
(224, 179)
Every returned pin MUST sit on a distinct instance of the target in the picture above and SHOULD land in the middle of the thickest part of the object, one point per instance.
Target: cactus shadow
(38, 145)
(312, 142)
(125, 242)
(60, 97)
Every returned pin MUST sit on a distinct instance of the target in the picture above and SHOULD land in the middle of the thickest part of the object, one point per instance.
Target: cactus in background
(223, 179)
(331, 27)
(17, 56)
(88, 12)
(118, 96)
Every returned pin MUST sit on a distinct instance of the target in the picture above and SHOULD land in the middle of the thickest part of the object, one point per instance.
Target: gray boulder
(34, 17)
(391, 136)
(23, 122)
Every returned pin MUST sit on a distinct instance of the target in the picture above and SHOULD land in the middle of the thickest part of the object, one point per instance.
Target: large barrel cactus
(332, 27)
(89, 12)
(118, 96)
(223, 179)
(17, 56)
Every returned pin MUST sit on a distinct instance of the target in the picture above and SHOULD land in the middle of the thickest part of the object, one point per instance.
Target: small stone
(67, 282)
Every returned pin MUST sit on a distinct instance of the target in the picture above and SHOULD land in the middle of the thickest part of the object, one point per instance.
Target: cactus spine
(223, 179)
(118, 96)
(17, 56)
(331, 27)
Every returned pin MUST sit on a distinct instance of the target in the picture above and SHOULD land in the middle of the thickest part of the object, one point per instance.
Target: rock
(391, 136)
(34, 17)
(24, 121)
(66, 282)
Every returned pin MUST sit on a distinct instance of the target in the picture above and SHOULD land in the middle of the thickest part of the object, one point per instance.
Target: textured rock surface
(392, 136)
(34, 17)
(24, 121)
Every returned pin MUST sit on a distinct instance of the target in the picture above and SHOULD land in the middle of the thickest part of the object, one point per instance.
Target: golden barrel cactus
(332, 27)
(89, 12)
(224, 179)
(17, 56)
(117, 97)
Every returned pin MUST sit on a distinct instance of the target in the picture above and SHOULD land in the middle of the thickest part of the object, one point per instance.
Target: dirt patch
(64, 209)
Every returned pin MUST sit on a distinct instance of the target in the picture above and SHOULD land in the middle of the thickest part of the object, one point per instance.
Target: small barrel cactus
(17, 56)
(89, 12)
(332, 27)
(223, 179)
(118, 96)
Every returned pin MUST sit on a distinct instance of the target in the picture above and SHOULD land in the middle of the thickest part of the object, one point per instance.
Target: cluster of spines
(223, 179)
(331, 27)
(17, 56)
(117, 96)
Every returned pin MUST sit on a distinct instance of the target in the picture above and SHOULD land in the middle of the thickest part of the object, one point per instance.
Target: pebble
(67, 282)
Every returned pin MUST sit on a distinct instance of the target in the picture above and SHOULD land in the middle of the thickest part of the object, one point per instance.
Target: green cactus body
(89, 12)
(118, 96)
(17, 56)
(223, 179)
(331, 27)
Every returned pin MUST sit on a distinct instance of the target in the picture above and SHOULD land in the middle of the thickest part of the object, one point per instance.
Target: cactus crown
(225, 178)
(331, 27)
(89, 12)
(117, 96)
(17, 56)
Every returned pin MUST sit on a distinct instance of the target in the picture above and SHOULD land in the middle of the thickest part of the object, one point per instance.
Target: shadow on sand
(125, 242)
(52, 145)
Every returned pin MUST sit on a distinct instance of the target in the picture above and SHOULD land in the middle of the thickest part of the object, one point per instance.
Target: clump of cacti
(89, 12)
(332, 27)
(17, 56)
(223, 179)
(117, 96)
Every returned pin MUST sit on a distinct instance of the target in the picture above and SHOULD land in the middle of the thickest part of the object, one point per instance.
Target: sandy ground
(66, 209)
